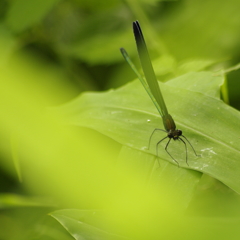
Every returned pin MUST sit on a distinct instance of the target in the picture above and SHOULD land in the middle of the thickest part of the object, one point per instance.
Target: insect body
(152, 88)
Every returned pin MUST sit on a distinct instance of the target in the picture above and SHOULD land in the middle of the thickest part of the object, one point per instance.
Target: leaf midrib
(181, 124)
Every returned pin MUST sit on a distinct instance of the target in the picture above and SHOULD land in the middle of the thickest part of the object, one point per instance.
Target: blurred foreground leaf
(14, 200)
(91, 225)
(180, 183)
(80, 224)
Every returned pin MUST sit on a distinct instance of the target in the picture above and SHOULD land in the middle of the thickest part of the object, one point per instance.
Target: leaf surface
(128, 116)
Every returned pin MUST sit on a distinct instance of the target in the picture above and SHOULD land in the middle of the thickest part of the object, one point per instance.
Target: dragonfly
(151, 86)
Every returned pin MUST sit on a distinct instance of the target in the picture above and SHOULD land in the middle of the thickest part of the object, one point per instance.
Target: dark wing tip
(136, 23)
(138, 34)
(123, 52)
(136, 29)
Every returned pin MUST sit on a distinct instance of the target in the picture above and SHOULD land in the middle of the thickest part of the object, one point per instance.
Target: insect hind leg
(159, 143)
(185, 150)
(150, 139)
(166, 149)
(190, 145)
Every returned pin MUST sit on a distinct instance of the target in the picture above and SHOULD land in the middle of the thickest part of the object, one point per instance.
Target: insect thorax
(174, 134)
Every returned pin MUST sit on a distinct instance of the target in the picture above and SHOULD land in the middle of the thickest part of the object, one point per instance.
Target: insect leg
(185, 150)
(169, 153)
(156, 129)
(158, 144)
(191, 146)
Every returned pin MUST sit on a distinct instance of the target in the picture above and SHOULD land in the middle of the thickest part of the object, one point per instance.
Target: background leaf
(25, 13)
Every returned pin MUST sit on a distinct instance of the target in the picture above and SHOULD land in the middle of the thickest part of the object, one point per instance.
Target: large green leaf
(128, 116)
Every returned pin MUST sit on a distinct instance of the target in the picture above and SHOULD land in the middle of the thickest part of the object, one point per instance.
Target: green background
(81, 158)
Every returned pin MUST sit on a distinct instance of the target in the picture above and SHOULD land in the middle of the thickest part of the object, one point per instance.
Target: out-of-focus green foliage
(24, 14)
(51, 51)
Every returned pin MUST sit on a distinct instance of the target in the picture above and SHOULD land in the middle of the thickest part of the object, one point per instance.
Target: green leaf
(89, 225)
(7, 44)
(194, 65)
(23, 14)
(89, 50)
(14, 200)
(202, 82)
(128, 116)
(212, 34)
(164, 64)
(80, 224)
(180, 183)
